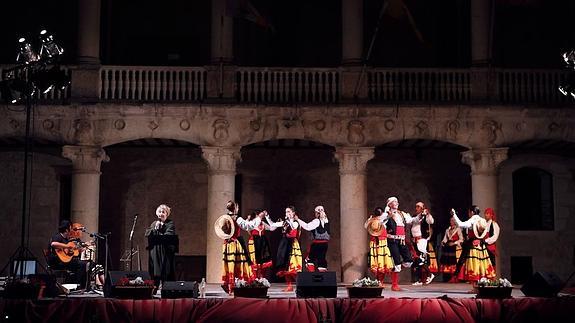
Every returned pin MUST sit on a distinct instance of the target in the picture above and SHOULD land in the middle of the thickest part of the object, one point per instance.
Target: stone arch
(145, 172)
(423, 170)
(149, 141)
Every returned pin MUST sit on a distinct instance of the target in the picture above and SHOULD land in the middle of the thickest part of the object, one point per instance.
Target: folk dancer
(466, 245)
(492, 235)
(319, 228)
(289, 258)
(476, 261)
(396, 222)
(258, 244)
(236, 260)
(451, 248)
(380, 261)
(421, 246)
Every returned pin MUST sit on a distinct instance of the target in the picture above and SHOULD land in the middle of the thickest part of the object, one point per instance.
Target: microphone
(133, 226)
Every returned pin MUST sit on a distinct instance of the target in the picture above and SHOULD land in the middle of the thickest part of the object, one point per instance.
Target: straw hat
(224, 227)
(374, 227)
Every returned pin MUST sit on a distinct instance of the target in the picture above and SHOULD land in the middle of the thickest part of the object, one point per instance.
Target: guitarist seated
(64, 253)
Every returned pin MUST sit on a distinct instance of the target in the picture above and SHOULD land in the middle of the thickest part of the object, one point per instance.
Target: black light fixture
(38, 71)
(49, 49)
(53, 78)
(13, 91)
(34, 72)
(567, 87)
(26, 55)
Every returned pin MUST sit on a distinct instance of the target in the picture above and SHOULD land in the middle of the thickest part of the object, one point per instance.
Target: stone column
(484, 163)
(89, 32)
(86, 161)
(222, 34)
(481, 32)
(353, 210)
(85, 77)
(352, 32)
(221, 187)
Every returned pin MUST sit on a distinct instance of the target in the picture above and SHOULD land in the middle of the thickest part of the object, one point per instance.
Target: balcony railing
(531, 86)
(287, 85)
(419, 85)
(256, 85)
(145, 83)
(54, 95)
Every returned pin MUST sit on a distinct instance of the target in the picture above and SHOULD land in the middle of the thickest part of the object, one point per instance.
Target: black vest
(391, 226)
(321, 233)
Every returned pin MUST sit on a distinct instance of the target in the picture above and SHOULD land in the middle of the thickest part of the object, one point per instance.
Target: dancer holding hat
(380, 261)
(236, 260)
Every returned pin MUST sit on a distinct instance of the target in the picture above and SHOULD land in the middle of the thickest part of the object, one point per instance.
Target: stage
(437, 302)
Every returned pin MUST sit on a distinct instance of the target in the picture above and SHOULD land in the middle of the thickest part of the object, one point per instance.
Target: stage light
(49, 49)
(569, 58)
(46, 80)
(26, 54)
(567, 89)
(13, 91)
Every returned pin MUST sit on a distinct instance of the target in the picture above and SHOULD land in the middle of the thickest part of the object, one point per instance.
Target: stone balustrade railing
(287, 85)
(419, 85)
(531, 86)
(150, 83)
(261, 85)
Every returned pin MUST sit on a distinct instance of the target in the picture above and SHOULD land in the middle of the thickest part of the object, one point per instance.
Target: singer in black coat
(161, 262)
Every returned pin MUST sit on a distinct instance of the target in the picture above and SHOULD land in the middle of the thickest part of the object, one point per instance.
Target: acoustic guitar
(71, 250)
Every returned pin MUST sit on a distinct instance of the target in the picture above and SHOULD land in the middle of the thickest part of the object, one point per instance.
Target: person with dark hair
(420, 246)
(319, 228)
(476, 264)
(64, 253)
(161, 264)
(289, 258)
(466, 245)
(379, 261)
(258, 244)
(236, 259)
(451, 248)
(492, 234)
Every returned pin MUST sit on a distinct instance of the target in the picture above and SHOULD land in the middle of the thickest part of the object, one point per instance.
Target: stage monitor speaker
(542, 284)
(180, 289)
(113, 278)
(316, 284)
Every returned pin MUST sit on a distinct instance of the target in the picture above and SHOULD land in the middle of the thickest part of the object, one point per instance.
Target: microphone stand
(132, 241)
(107, 249)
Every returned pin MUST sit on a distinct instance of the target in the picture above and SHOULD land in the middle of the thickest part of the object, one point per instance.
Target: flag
(398, 10)
(244, 9)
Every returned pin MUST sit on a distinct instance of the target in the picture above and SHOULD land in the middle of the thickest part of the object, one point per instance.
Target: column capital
(85, 159)
(484, 161)
(353, 160)
(221, 160)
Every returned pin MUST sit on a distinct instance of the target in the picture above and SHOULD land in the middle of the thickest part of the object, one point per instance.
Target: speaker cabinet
(180, 289)
(542, 284)
(111, 288)
(316, 284)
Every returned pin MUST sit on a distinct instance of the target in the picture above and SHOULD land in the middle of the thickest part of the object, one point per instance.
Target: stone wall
(45, 201)
(550, 250)
(137, 180)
